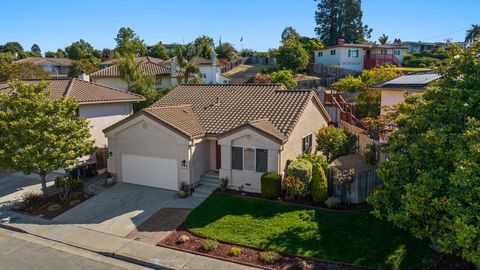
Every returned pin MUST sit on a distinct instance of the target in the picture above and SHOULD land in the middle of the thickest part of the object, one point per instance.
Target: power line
(439, 36)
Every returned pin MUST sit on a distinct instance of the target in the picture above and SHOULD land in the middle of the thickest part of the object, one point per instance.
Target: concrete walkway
(112, 245)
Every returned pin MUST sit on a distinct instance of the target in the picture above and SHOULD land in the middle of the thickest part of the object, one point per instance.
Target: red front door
(218, 150)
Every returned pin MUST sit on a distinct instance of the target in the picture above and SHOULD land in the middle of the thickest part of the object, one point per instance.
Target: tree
(226, 50)
(432, 177)
(60, 53)
(36, 49)
(319, 184)
(83, 66)
(79, 50)
(107, 54)
(145, 86)
(292, 55)
(473, 33)
(383, 39)
(290, 33)
(6, 58)
(129, 69)
(128, 42)
(158, 51)
(50, 54)
(337, 19)
(284, 77)
(12, 47)
(189, 69)
(22, 71)
(335, 142)
(247, 53)
(204, 46)
(38, 134)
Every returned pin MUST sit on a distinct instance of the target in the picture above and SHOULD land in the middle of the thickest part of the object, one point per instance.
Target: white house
(359, 56)
(210, 70)
(238, 131)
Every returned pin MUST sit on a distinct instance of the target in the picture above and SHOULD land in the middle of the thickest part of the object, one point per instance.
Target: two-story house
(57, 67)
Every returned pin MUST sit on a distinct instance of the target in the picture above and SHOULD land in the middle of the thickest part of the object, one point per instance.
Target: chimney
(341, 41)
(173, 68)
(214, 58)
(84, 77)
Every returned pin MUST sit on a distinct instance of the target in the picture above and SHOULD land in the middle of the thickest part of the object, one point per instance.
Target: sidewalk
(113, 246)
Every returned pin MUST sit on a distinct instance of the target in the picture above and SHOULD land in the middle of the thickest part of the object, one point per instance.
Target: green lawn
(354, 237)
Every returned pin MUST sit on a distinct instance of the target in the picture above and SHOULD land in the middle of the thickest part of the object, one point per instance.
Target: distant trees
(283, 77)
(22, 71)
(60, 53)
(226, 50)
(128, 42)
(36, 49)
(290, 33)
(383, 39)
(473, 33)
(158, 51)
(79, 50)
(86, 66)
(337, 19)
(204, 46)
(292, 55)
(50, 54)
(11, 47)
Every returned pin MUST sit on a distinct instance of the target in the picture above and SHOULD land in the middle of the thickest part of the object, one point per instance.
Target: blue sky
(55, 24)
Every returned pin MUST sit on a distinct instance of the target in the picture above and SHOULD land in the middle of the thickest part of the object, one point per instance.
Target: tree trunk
(44, 184)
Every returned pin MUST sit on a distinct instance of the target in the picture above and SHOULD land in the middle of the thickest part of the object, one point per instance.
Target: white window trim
(311, 141)
(254, 157)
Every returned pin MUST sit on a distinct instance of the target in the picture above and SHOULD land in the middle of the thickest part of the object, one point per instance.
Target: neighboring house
(165, 74)
(359, 56)
(210, 70)
(57, 67)
(109, 63)
(241, 131)
(101, 105)
(394, 91)
(418, 47)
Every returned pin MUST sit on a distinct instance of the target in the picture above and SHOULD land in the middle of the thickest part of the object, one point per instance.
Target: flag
(241, 39)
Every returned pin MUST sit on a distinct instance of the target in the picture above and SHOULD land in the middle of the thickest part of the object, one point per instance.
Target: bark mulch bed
(41, 209)
(303, 202)
(250, 256)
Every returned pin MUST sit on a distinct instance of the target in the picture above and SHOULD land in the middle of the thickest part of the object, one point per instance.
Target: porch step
(211, 180)
(211, 174)
(206, 188)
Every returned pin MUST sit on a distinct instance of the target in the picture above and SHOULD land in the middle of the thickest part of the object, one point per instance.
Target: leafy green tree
(473, 33)
(97, 54)
(432, 175)
(290, 33)
(60, 53)
(79, 50)
(337, 19)
(22, 71)
(204, 46)
(86, 66)
(107, 54)
(158, 51)
(247, 53)
(284, 77)
(36, 49)
(6, 58)
(12, 47)
(292, 55)
(128, 42)
(145, 86)
(50, 54)
(383, 39)
(38, 134)
(226, 50)
(335, 142)
(129, 69)
(311, 44)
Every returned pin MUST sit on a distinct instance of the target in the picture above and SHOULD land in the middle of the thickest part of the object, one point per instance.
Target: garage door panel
(150, 171)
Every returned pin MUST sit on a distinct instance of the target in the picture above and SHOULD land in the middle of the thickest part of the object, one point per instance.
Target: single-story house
(240, 131)
(111, 62)
(57, 67)
(101, 105)
(165, 74)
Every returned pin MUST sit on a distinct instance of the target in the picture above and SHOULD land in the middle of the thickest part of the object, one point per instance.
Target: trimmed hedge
(302, 169)
(319, 184)
(271, 185)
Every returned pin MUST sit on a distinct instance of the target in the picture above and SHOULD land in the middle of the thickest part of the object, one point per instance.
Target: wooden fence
(255, 60)
(361, 186)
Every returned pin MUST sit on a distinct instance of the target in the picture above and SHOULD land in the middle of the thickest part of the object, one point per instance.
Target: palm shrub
(319, 184)
(302, 169)
(271, 185)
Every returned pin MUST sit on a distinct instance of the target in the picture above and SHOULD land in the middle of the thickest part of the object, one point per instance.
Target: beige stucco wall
(309, 123)
(393, 97)
(200, 161)
(119, 83)
(101, 116)
(145, 137)
(250, 181)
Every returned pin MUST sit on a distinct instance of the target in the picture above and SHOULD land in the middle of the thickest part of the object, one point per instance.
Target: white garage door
(150, 171)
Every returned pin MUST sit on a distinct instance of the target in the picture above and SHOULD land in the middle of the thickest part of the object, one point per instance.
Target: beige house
(229, 131)
(165, 73)
(57, 67)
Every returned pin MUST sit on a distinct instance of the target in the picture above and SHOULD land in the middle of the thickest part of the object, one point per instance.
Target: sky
(55, 24)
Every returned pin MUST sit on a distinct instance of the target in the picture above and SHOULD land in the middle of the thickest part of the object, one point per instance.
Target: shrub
(269, 257)
(223, 183)
(271, 185)
(182, 239)
(32, 199)
(54, 207)
(319, 184)
(302, 169)
(209, 244)
(293, 186)
(315, 159)
(66, 185)
(74, 202)
(332, 202)
(235, 251)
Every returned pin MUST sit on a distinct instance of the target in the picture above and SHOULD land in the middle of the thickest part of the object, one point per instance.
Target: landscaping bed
(53, 206)
(353, 237)
(248, 255)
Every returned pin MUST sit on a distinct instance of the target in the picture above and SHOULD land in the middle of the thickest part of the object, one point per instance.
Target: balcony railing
(375, 60)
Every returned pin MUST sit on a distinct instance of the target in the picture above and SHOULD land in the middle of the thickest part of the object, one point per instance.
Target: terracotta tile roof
(180, 118)
(46, 61)
(137, 59)
(82, 91)
(197, 60)
(263, 125)
(220, 108)
(147, 69)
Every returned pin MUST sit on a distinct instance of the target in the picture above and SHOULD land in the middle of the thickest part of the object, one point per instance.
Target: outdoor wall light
(110, 154)
(184, 163)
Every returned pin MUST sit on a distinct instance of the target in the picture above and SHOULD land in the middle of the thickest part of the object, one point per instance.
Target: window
(249, 159)
(384, 52)
(396, 52)
(237, 158)
(307, 144)
(353, 53)
(262, 160)
(332, 52)
(320, 54)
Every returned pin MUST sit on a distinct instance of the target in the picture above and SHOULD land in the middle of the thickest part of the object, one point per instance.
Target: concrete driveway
(121, 208)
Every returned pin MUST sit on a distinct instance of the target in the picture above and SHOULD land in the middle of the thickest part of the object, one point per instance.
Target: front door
(218, 155)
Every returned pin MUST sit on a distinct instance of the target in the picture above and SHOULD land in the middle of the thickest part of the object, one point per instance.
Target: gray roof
(414, 81)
